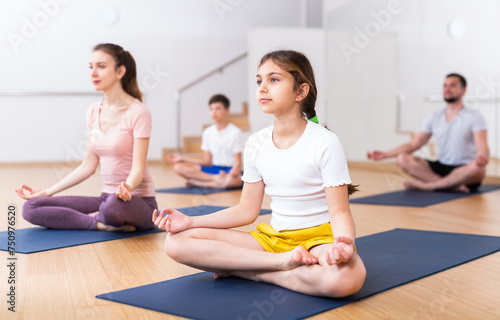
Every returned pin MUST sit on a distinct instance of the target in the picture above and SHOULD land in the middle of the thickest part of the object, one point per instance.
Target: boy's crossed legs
(195, 176)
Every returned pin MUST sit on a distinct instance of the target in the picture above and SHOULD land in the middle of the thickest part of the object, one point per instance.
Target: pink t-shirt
(115, 147)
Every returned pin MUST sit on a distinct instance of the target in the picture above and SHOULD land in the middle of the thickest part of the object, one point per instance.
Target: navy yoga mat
(201, 210)
(195, 190)
(41, 239)
(414, 198)
(392, 258)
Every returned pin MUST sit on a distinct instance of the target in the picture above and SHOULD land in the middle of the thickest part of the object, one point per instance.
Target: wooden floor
(62, 284)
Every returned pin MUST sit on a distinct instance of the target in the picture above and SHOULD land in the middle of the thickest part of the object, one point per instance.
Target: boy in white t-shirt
(222, 145)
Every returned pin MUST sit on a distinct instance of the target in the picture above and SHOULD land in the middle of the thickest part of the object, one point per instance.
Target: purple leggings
(72, 212)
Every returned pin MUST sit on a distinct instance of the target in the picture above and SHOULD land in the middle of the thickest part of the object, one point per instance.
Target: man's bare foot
(104, 227)
(417, 185)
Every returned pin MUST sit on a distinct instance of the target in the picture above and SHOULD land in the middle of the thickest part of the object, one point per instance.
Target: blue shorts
(215, 169)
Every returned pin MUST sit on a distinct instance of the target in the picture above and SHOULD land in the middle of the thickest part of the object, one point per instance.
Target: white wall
(311, 42)
(426, 52)
(173, 42)
(232, 82)
(362, 104)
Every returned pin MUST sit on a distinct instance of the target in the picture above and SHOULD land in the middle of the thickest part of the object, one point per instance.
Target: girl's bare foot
(297, 257)
(289, 260)
(104, 227)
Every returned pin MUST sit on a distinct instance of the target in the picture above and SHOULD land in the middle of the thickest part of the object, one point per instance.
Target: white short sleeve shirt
(296, 177)
(223, 144)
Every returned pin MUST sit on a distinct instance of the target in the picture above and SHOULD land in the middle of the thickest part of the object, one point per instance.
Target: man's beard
(451, 99)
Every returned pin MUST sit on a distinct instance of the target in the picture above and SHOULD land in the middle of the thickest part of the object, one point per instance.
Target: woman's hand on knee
(32, 193)
(123, 192)
(171, 220)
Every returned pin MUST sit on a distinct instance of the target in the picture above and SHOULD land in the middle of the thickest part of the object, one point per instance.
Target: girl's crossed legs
(238, 253)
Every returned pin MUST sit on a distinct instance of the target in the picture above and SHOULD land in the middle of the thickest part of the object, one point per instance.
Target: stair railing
(178, 93)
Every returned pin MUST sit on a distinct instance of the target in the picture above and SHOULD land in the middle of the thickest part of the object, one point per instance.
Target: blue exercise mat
(415, 198)
(196, 190)
(38, 239)
(202, 210)
(392, 258)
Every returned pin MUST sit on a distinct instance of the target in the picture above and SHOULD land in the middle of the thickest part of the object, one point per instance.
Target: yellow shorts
(287, 240)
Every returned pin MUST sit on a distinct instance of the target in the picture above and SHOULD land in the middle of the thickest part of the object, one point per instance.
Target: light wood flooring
(62, 284)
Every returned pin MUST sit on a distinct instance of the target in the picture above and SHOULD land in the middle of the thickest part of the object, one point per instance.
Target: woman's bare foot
(104, 227)
(461, 188)
(222, 274)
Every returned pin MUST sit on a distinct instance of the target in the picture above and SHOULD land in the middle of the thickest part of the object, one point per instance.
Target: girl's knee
(347, 281)
(173, 246)
(177, 244)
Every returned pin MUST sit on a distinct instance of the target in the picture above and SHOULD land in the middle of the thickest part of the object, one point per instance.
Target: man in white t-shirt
(222, 144)
(462, 140)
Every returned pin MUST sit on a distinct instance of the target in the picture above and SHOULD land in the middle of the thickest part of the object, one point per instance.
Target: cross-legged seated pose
(222, 144)
(462, 140)
(118, 132)
(309, 245)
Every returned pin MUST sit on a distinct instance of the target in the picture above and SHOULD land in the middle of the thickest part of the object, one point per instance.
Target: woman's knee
(29, 210)
(111, 210)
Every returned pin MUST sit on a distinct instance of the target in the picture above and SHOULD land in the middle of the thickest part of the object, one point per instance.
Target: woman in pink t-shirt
(118, 132)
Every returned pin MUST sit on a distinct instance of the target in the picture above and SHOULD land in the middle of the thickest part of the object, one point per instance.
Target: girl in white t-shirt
(302, 166)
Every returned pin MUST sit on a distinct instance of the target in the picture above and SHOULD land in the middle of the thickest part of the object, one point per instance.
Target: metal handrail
(439, 98)
(48, 93)
(177, 94)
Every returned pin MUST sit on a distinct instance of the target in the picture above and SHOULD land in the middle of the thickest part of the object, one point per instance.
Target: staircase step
(192, 144)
